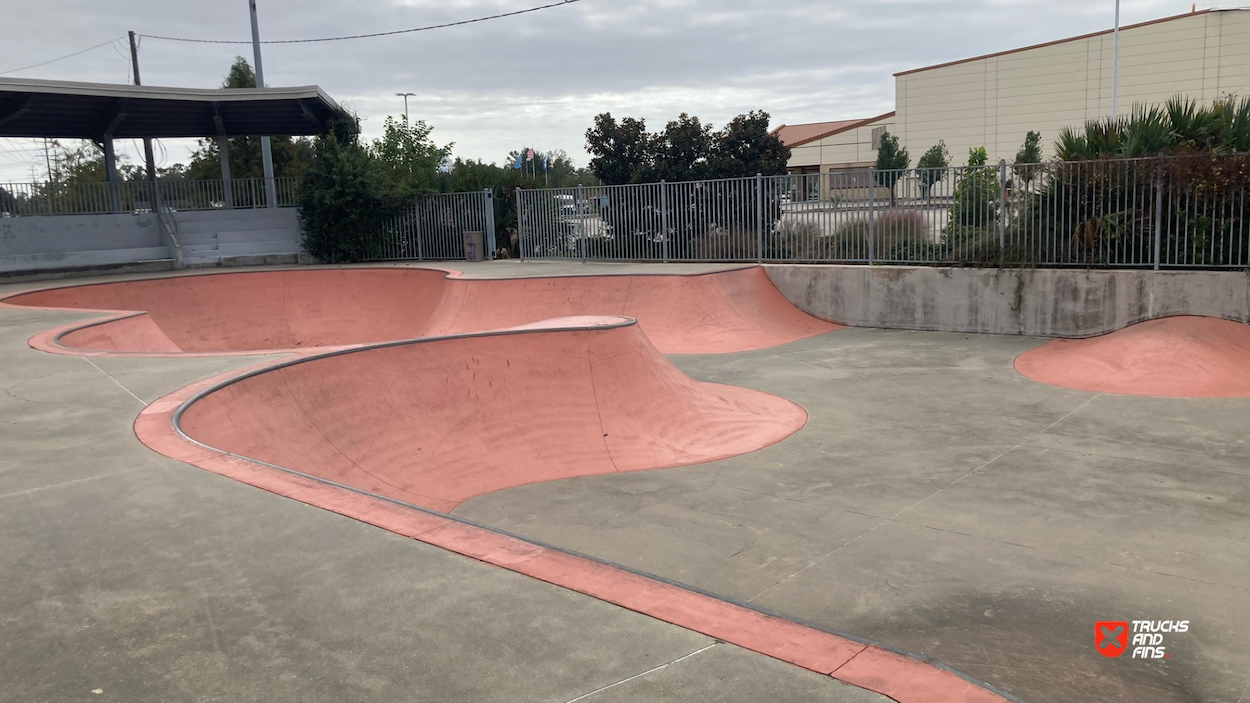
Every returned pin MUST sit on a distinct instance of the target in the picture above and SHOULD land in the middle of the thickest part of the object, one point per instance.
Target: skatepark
(563, 481)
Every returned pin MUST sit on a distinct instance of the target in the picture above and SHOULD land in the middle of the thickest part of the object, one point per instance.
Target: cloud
(540, 78)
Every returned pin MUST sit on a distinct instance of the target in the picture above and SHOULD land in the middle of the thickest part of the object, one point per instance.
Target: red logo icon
(1111, 637)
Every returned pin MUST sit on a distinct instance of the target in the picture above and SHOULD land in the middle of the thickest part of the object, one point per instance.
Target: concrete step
(263, 260)
(21, 262)
(198, 238)
(258, 235)
(139, 254)
(237, 220)
(200, 261)
(195, 248)
(256, 248)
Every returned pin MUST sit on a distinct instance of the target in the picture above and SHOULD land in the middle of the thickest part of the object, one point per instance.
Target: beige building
(847, 143)
(831, 147)
(995, 100)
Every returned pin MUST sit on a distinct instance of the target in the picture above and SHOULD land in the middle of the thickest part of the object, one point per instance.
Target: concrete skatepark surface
(1183, 356)
(848, 386)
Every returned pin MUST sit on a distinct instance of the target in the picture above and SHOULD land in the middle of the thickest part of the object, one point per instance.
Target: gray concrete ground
(125, 576)
(936, 501)
(940, 502)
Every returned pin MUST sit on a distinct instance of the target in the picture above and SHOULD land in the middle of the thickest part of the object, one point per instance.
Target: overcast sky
(539, 79)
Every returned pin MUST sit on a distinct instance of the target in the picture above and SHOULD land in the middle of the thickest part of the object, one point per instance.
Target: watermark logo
(1111, 636)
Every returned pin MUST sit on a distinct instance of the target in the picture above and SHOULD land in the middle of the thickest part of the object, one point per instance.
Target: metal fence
(434, 227)
(33, 199)
(1165, 212)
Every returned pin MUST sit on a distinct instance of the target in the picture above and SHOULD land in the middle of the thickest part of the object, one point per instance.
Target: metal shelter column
(271, 191)
(227, 185)
(110, 169)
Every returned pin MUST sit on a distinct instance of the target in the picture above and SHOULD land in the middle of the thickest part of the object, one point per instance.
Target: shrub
(896, 235)
(1030, 153)
(801, 240)
(891, 159)
(1178, 126)
(976, 198)
(343, 204)
(932, 165)
(734, 244)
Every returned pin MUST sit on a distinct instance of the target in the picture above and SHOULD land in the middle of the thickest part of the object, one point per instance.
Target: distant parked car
(566, 203)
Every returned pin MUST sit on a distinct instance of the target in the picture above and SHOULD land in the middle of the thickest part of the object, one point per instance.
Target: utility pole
(1115, 60)
(48, 160)
(271, 191)
(405, 97)
(149, 157)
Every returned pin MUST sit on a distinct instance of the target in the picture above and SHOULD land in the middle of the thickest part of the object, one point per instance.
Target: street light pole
(405, 97)
(1115, 60)
(271, 191)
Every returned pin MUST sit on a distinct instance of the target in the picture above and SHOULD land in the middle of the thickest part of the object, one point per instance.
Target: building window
(847, 178)
(876, 137)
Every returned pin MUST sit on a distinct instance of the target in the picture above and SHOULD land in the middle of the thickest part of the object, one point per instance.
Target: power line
(369, 36)
(126, 58)
(62, 58)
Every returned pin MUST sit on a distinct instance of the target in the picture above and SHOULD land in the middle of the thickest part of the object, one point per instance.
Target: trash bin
(473, 249)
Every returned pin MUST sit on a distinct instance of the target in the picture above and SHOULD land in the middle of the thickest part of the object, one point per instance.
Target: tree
(9, 202)
(891, 160)
(344, 202)
(240, 75)
(1031, 151)
(745, 147)
(407, 157)
(682, 152)
(932, 165)
(976, 198)
(1030, 154)
(290, 156)
(621, 152)
(686, 150)
(560, 170)
(80, 164)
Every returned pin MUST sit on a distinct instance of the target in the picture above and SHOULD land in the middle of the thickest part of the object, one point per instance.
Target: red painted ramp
(437, 422)
(725, 311)
(1173, 356)
(253, 311)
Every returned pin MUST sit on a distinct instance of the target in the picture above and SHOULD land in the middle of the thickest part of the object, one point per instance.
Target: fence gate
(433, 227)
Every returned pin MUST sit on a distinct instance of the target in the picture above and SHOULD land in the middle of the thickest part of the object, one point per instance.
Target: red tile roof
(799, 134)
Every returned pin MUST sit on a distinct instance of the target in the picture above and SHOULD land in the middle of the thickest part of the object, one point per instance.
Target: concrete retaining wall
(1042, 302)
(63, 242)
(78, 240)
